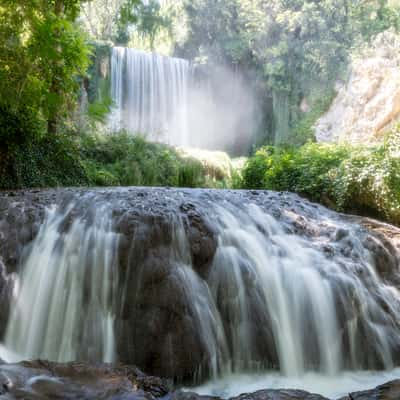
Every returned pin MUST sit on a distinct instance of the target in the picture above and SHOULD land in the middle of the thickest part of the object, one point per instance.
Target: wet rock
(182, 395)
(340, 234)
(202, 239)
(388, 391)
(43, 380)
(155, 325)
(279, 395)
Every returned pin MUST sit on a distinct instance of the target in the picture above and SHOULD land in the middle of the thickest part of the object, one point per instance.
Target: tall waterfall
(150, 95)
(113, 278)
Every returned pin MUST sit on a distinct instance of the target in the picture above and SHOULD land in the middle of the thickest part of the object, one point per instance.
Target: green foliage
(17, 127)
(369, 181)
(254, 171)
(42, 54)
(303, 131)
(31, 158)
(98, 110)
(43, 160)
(131, 161)
(306, 170)
(296, 47)
(357, 179)
(373, 16)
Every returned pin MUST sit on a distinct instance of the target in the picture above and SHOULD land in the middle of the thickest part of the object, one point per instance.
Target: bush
(369, 181)
(304, 131)
(31, 158)
(128, 160)
(362, 180)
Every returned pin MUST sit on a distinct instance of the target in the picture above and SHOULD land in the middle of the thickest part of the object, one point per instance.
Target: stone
(155, 327)
(41, 380)
(368, 104)
(388, 391)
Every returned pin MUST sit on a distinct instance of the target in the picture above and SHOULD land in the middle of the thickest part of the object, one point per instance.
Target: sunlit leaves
(350, 178)
(42, 54)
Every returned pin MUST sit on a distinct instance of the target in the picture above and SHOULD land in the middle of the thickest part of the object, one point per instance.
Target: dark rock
(44, 380)
(36, 380)
(203, 241)
(151, 299)
(183, 395)
(341, 233)
(279, 395)
(388, 391)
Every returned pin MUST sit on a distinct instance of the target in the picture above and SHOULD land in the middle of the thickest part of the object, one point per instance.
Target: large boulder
(174, 316)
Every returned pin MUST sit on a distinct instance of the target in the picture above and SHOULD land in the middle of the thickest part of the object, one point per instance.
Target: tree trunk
(54, 89)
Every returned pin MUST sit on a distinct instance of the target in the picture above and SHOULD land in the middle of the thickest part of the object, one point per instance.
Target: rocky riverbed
(44, 380)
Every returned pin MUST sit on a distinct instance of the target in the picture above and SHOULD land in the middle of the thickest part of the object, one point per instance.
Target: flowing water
(62, 310)
(150, 95)
(273, 300)
(161, 97)
(332, 387)
(295, 290)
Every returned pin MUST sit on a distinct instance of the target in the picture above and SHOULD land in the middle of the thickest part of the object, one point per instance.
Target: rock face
(198, 275)
(369, 103)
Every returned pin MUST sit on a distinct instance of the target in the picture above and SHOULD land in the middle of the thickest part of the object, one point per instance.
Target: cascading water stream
(295, 289)
(272, 300)
(63, 307)
(150, 95)
(172, 101)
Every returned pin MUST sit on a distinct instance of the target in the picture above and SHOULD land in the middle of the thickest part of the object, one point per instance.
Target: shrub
(369, 181)
(31, 158)
(360, 179)
(128, 160)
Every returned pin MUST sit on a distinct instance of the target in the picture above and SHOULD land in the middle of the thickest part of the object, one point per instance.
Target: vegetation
(291, 51)
(94, 160)
(361, 179)
(146, 25)
(128, 161)
(29, 158)
(297, 48)
(42, 53)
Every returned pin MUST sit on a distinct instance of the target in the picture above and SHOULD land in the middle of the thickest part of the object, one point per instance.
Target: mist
(222, 112)
(174, 101)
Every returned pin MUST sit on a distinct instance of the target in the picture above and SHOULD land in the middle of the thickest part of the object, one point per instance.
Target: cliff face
(369, 103)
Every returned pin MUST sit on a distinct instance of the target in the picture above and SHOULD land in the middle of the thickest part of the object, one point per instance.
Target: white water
(289, 285)
(167, 101)
(272, 301)
(63, 308)
(332, 387)
(150, 95)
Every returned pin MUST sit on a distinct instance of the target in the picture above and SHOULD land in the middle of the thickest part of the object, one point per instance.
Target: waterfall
(63, 307)
(169, 100)
(271, 299)
(150, 93)
(262, 273)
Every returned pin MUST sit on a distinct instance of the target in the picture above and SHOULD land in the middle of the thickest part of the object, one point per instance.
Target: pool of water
(332, 387)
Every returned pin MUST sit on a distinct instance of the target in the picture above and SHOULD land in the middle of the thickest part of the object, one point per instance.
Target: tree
(297, 47)
(44, 54)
